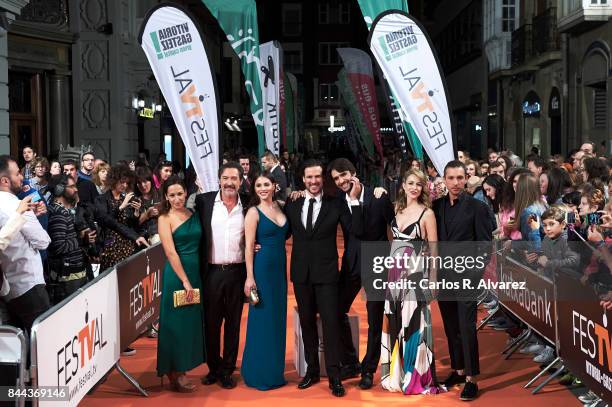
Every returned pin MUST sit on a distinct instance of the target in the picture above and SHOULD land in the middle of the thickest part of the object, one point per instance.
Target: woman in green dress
(181, 342)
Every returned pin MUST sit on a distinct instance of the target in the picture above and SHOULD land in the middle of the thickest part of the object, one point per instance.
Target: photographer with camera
(66, 252)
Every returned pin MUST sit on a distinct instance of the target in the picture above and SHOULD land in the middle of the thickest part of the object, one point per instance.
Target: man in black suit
(314, 270)
(270, 163)
(245, 163)
(377, 214)
(223, 271)
(461, 218)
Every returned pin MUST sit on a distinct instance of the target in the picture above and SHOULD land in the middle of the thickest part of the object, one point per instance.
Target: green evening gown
(180, 346)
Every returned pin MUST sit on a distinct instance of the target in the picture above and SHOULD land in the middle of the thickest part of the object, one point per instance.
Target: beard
(16, 188)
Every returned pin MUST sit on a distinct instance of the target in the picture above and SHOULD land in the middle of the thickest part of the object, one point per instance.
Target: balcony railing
(521, 44)
(545, 33)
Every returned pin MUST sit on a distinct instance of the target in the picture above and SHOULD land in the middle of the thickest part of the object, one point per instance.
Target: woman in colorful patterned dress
(407, 356)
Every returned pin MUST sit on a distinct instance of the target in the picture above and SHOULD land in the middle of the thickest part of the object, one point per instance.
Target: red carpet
(501, 381)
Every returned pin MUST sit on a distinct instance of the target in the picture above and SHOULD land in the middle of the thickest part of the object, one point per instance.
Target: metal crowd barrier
(8, 354)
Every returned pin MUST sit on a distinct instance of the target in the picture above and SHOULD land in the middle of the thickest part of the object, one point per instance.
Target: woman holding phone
(181, 339)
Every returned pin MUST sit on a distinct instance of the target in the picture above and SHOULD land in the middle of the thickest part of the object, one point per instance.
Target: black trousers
(223, 294)
(349, 286)
(459, 318)
(324, 299)
(29, 306)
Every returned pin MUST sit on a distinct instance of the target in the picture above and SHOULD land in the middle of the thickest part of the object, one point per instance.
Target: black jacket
(281, 179)
(470, 224)
(376, 215)
(314, 257)
(107, 218)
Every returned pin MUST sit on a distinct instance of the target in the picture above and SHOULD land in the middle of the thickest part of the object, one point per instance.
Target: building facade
(72, 73)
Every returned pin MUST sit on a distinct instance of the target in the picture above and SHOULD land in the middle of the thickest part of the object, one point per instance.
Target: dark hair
(30, 147)
(270, 155)
(60, 179)
(5, 160)
(596, 168)
(172, 180)
(341, 165)
(455, 164)
(572, 198)
(69, 161)
(508, 162)
(312, 162)
(254, 198)
(497, 182)
(117, 173)
(144, 174)
(538, 162)
(507, 201)
(88, 153)
(231, 164)
(558, 181)
(159, 166)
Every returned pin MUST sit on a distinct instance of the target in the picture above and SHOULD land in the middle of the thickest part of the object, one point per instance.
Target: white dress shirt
(20, 260)
(351, 202)
(227, 244)
(12, 226)
(315, 210)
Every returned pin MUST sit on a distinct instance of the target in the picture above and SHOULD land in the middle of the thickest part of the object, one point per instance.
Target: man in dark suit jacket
(377, 214)
(223, 271)
(460, 218)
(314, 270)
(270, 163)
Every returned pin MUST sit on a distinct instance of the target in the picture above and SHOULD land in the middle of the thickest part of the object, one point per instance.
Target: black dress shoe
(454, 379)
(366, 382)
(308, 381)
(209, 379)
(470, 391)
(336, 387)
(227, 382)
(350, 371)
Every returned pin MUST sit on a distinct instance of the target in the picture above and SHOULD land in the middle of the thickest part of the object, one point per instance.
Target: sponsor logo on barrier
(143, 294)
(76, 357)
(538, 303)
(170, 41)
(593, 339)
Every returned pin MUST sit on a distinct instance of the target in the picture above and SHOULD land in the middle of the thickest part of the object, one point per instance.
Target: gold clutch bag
(180, 298)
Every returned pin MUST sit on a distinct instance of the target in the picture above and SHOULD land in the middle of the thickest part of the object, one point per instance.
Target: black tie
(311, 202)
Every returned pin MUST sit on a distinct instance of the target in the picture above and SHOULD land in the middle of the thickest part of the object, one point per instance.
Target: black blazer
(107, 217)
(314, 257)
(281, 180)
(204, 204)
(376, 215)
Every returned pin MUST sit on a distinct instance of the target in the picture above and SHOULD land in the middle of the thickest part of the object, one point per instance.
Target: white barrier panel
(79, 343)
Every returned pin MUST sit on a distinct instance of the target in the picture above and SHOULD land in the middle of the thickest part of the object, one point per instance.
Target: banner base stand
(131, 379)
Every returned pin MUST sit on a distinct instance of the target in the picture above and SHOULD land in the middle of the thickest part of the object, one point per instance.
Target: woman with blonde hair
(99, 177)
(528, 209)
(407, 338)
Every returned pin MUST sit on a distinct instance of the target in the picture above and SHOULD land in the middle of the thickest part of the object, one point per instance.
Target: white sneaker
(587, 397)
(490, 304)
(595, 402)
(532, 349)
(546, 356)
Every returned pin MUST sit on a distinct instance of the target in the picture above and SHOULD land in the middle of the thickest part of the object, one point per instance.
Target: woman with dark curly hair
(117, 211)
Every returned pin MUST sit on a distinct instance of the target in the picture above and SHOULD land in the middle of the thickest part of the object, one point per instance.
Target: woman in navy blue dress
(263, 361)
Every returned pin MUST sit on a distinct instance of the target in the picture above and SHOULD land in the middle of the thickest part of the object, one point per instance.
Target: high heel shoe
(180, 386)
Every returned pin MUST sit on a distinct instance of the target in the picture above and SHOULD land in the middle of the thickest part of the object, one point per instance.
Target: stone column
(59, 114)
